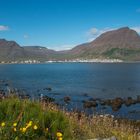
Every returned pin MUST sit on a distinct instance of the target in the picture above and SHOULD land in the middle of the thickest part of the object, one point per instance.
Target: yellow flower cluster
(59, 136)
(14, 125)
(28, 125)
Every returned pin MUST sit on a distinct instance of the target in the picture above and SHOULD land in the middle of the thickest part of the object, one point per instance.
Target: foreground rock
(89, 104)
(117, 103)
(129, 101)
(47, 99)
(67, 99)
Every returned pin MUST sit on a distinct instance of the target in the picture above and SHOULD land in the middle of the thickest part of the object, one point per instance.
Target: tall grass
(13, 110)
(47, 120)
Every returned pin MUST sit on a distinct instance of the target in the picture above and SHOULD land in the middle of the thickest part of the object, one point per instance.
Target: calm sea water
(97, 80)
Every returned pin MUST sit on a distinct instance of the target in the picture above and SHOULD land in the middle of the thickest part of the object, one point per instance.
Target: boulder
(89, 104)
(67, 99)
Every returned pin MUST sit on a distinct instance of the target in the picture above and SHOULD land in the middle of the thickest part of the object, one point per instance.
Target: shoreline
(56, 62)
(102, 61)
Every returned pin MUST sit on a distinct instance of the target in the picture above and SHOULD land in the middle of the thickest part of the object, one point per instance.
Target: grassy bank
(32, 120)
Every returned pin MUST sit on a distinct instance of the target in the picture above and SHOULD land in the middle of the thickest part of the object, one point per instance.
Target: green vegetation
(122, 53)
(45, 122)
(34, 120)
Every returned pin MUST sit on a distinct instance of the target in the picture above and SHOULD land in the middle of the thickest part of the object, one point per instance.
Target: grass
(123, 53)
(33, 120)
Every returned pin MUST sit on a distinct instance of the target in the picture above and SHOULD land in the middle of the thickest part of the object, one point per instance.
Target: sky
(63, 24)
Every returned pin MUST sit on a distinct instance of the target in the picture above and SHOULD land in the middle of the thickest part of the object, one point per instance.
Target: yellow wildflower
(59, 134)
(47, 129)
(24, 129)
(30, 122)
(60, 138)
(14, 124)
(15, 129)
(35, 127)
(3, 124)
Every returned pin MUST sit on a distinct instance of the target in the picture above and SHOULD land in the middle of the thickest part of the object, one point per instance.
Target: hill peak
(124, 28)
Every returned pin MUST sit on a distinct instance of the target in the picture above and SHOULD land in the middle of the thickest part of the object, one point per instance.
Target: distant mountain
(123, 44)
(39, 53)
(10, 50)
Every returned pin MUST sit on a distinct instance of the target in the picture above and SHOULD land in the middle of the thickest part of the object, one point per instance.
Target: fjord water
(95, 80)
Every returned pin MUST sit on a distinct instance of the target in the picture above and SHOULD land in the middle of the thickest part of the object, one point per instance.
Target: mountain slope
(10, 50)
(123, 43)
(39, 53)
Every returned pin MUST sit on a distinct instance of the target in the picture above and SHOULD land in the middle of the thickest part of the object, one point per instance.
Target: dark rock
(67, 99)
(47, 99)
(117, 104)
(24, 96)
(89, 104)
(107, 102)
(48, 88)
(2, 92)
(129, 101)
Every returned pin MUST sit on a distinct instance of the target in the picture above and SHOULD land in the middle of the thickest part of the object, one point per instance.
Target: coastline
(69, 61)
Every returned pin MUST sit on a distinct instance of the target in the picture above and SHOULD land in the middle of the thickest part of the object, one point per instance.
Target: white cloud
(4, 28)
(137, 29)
(25, 36)
(93, 33)
(64, 47)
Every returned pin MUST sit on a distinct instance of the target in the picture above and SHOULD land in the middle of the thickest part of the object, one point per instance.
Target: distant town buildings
(64, 61)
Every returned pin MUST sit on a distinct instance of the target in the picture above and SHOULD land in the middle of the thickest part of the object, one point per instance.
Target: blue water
(97, 80)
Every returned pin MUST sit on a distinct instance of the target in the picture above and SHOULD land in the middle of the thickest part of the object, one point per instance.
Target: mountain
(10, 50)
(39, 53)
(123, 43)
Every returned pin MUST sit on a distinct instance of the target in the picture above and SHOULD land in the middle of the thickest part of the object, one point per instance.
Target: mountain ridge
(122, 43)
(122, 40)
